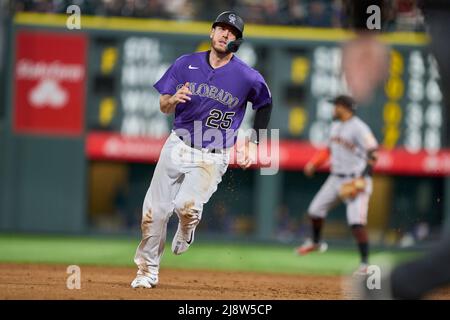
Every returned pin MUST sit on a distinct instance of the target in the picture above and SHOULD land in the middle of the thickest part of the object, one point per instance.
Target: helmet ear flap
(233, 46)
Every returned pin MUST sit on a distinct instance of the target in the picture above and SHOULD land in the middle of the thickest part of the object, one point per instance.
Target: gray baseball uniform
(349, 143)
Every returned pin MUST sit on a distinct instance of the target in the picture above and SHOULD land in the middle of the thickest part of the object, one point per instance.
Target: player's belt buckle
(207, 150)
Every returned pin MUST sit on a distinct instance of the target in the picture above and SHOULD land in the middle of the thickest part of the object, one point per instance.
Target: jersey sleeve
(365, 137)
(169, 81)
(327, 141)
(259, 93)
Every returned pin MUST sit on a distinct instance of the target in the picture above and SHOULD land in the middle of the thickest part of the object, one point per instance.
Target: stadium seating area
(401, 14)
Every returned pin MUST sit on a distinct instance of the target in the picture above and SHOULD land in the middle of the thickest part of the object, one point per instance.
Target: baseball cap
(345, 101)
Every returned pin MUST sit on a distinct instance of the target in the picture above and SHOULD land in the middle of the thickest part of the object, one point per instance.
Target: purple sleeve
(169, 81)
(259, 93)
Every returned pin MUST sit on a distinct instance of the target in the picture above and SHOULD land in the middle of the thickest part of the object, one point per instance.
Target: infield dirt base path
(40, 281)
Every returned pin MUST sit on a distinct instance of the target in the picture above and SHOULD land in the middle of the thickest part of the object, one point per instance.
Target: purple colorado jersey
(219, 97)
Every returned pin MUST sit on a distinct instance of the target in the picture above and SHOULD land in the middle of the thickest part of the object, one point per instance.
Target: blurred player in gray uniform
(352, 148)
(417, 278)
(208, 92)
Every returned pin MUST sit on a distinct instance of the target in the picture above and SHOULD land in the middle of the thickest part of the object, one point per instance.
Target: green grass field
(201, 255)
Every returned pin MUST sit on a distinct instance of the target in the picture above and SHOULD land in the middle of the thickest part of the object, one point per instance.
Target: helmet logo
(232, 18)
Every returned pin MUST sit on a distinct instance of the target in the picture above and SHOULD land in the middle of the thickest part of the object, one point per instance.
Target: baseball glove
(350, 189)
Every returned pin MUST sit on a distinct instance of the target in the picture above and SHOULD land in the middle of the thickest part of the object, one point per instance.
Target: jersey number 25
(218, 119)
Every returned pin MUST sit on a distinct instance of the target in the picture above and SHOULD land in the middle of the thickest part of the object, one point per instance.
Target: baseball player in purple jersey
(208, 92)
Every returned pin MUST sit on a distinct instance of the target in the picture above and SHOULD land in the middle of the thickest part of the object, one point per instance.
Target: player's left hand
(352, 188)
(246, 153)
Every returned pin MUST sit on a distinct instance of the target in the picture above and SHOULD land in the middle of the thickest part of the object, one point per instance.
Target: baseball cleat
(361, 270)
(310, 246)
(146, 282)
(182, 239)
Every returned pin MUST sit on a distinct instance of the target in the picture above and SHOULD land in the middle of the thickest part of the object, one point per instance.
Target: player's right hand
(309, 169)
(182, 95)
(246, 153)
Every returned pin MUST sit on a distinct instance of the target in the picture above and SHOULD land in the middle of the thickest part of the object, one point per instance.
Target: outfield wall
(80, 154)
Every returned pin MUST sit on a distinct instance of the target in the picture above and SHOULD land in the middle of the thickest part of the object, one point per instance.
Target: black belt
(200, 148)
(343, 175)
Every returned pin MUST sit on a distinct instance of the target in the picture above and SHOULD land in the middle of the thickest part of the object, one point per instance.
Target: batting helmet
(232, 19)
(345, 101)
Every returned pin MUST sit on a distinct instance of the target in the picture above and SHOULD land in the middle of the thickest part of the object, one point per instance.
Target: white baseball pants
(184, 180)
(328, 197)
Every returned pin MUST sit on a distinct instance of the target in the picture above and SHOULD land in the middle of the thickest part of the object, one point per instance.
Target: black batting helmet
(233, 20)
(345, 101)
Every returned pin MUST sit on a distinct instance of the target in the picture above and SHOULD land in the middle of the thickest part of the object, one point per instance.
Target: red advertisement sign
(49, 81)
(293, 155)
(113, 146)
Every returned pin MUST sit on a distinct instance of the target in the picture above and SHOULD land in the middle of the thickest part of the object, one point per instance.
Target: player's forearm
(372, 157)
(261, 122)
(167, 104)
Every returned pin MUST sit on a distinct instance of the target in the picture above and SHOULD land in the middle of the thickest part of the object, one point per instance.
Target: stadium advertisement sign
(49, 80)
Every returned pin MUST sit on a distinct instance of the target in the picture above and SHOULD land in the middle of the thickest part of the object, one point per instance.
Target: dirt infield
(32, 281)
